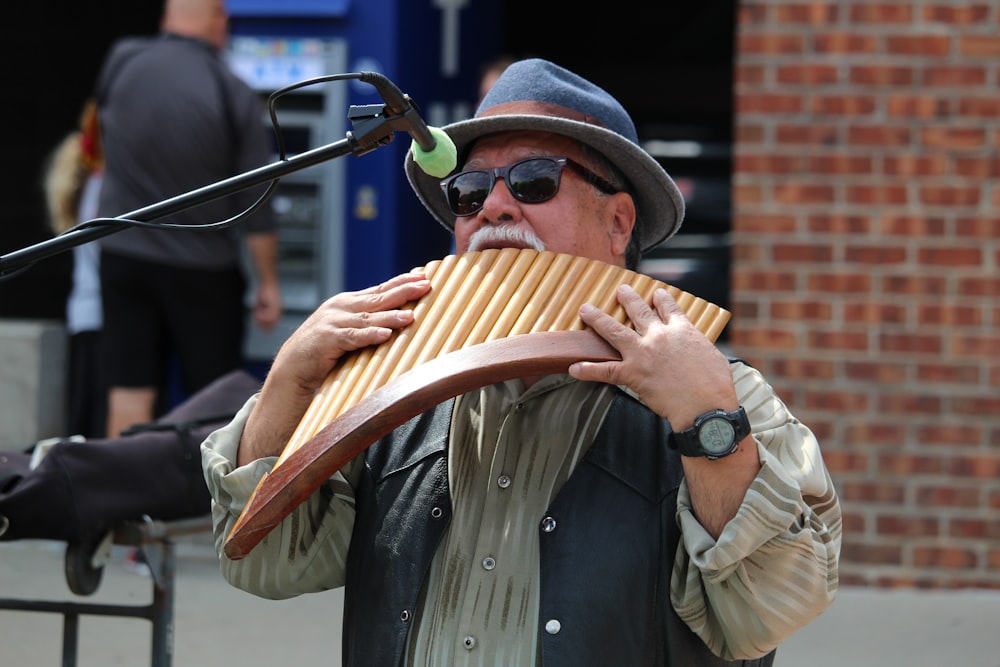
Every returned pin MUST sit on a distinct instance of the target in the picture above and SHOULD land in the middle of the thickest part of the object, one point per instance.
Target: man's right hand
(345, 322)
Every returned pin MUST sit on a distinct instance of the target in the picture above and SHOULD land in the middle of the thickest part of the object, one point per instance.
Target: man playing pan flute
(664, 509)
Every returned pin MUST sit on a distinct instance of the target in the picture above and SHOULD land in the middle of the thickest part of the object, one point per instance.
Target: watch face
(716, 436)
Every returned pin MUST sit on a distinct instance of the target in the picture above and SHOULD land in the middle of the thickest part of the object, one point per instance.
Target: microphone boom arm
(373, 129)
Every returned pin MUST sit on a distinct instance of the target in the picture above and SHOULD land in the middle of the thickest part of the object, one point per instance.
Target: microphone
(432, 149)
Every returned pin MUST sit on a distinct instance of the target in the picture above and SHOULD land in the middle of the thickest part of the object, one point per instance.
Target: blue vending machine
(353, 221)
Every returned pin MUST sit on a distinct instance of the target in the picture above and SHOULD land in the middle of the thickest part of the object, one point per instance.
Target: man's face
(579, 220)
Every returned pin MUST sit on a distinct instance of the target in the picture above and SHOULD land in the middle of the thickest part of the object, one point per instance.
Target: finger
(666, 305)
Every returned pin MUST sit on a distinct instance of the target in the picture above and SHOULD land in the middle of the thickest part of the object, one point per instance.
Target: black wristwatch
(715, 434)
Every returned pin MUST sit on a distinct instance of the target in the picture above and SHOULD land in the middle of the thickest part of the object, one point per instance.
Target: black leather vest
(607, 548)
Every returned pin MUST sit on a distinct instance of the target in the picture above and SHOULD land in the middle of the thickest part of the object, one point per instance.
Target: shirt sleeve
(307, 551)
(774, 568)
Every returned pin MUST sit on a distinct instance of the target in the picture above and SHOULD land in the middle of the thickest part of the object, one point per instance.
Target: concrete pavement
(216, 625)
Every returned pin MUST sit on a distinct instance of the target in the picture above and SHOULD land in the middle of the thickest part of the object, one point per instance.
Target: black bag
(80, 490)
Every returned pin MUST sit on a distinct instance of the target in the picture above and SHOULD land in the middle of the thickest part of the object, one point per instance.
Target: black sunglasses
(531, 181)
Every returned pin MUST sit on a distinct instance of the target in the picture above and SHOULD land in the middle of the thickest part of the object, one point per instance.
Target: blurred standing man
(175, 118)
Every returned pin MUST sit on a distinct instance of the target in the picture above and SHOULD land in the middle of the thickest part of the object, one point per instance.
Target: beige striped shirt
(772, 570)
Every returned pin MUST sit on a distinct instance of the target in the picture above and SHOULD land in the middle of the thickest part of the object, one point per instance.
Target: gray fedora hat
(535, 94)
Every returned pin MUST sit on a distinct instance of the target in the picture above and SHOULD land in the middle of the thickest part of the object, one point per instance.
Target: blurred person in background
(72, 183)
(174, 118)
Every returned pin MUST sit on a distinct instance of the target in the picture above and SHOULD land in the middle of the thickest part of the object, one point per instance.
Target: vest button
(548, 524)
(436, 512)
(404, 616)
(553, 626)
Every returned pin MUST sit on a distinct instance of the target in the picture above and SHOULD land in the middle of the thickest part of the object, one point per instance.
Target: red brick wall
(866, 246)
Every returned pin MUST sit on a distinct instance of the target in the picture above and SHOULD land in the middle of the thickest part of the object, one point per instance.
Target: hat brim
(659, 204)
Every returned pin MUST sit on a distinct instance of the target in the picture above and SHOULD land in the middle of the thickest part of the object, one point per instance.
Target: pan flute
(490, 316)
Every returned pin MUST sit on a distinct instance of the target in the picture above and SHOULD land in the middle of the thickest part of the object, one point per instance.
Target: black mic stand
(372, 128)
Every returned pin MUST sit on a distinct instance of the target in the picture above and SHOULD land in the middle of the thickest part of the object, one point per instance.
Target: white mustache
(503, 235)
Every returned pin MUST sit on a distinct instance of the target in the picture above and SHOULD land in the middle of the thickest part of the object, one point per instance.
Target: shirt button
(469, 642)
(519, 407)
(503, 481)
(489, 563)
(553, 626)
(548, 524)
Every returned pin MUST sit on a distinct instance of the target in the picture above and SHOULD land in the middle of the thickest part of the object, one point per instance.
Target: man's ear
(623, 222)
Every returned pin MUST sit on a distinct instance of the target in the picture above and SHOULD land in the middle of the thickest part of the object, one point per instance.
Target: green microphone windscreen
(439, 161)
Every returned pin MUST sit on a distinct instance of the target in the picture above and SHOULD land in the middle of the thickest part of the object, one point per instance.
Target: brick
(756, 281)
(839, 283)
(945, 195)
(899, 464)
(886, 372)
(915, 225)
(841, 164)
(844, 43)
(909, 526)
(977, 407)
(875, 254)
(921, 46)
(915, 343)
(974, 528)
(944, 434)
(881, 75)
(769, 44)
(803, 193)
(804, 368)
(812, 13)
(923, 285)
(881, 12)
(945, 557)
(823, 223)
(986, 346)
(802, 252)
(749, 133)
(869, 492)
(863, 552)
(841, 462)
(949, 314)
(916, 165)
(956, 15)
(807, 74)
(837, 340)
(769, 339)
(979, 107)
(877, 195)
(978, 167)
(876, 313)
(984, 286)
(954, 75)
(879, 135)
(810, 134)
(953, 138)
(902, 403)
(950, 495)
(979, 46)
(763, 163)
(768, 103)
(843, 105)
(952, 257)
(802, 311)
(949, 373)
(984, 467)
(878, 434)
(906, 105)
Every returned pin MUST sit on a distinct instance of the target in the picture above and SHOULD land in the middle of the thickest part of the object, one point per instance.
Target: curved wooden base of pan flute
(413, 392)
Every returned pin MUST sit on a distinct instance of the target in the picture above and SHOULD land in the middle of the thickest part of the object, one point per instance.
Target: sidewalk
(216, 625)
